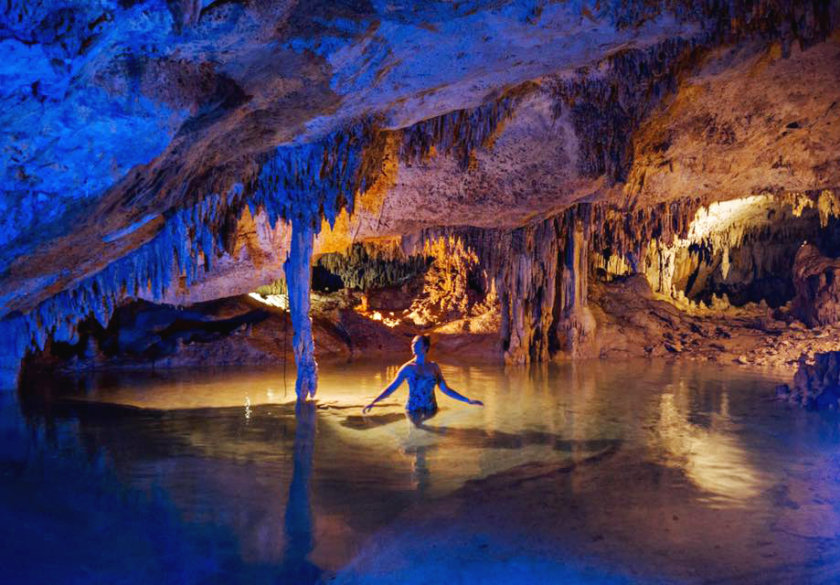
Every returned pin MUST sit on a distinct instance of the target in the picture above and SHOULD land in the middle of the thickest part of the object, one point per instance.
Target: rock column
(576, 320)
(527, 288)
(299, 279)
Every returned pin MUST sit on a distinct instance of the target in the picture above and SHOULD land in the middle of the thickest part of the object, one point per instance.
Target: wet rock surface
(231, 331)
(634, 322)
(816, 384)
(817, 300)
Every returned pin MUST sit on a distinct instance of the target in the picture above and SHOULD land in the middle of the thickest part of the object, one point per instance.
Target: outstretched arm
(452, 393)
(389, 389)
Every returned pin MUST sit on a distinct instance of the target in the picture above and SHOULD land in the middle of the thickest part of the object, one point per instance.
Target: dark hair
(427, 341)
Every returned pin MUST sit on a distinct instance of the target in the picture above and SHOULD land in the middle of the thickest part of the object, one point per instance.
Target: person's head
(420, 345)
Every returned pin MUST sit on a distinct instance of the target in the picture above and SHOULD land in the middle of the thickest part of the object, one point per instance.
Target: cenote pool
(591, 472)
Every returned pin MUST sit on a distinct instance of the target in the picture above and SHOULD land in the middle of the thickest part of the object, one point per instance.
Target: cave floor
(590, 472)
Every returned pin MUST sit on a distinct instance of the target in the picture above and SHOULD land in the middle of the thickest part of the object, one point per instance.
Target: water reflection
(482, 438)
(710, 454)
(214, 483)
(298, 519)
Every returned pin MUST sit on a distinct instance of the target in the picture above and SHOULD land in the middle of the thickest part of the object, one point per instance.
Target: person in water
(422, 377)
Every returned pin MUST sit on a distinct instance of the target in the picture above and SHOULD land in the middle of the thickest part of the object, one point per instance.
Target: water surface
(593, 472)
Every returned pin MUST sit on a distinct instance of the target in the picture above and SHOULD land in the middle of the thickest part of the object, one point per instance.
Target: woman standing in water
(422, 377)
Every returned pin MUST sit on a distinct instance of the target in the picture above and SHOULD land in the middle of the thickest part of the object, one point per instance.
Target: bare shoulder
(407, 368)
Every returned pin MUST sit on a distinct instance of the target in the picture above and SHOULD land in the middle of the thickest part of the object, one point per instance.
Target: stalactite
(366, 266)
(540, 271)
(529, 285)
(299, 279)
(608, 103)
(460, 132)
(307, 181)
(13, 346)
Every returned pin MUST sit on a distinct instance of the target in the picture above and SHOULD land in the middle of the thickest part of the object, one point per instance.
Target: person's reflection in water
(296, 568)
(420, 473)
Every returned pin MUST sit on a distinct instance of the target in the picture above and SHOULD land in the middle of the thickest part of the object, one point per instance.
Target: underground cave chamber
(224, 223)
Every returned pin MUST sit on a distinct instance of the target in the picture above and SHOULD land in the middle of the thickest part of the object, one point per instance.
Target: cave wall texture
(165, 150)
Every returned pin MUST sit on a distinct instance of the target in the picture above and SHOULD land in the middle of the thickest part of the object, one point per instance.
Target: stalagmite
(299, 280)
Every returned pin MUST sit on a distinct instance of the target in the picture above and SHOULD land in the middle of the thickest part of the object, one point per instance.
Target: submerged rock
(817, 385)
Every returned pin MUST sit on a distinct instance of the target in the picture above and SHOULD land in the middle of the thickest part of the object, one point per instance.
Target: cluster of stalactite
(366, 266)
(808, 22)
(609, 102)
(758, 267)
(454, 285)
(319, 179)
(626, 231)
(606, 103)
(460, 132)
(299, 184)
(539, 272)
(742, 252)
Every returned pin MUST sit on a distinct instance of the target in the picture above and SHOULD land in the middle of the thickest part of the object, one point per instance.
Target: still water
(593, 472)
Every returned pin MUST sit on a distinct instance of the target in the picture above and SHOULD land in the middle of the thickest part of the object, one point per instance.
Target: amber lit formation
(250, 248)
(552, 172)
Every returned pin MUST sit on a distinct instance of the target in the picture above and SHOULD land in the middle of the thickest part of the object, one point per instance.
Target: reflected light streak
(711, 458)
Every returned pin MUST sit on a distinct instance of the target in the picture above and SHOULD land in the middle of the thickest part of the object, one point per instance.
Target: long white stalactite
(299, 280)
(310, 181)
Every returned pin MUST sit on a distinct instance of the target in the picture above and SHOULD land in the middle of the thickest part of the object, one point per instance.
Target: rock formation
(815, 385)
(556, 144)
(817, 300)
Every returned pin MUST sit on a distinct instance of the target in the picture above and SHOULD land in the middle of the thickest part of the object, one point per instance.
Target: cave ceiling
(118, 115)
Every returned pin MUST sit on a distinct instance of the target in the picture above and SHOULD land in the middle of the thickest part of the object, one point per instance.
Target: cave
(355, 291)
